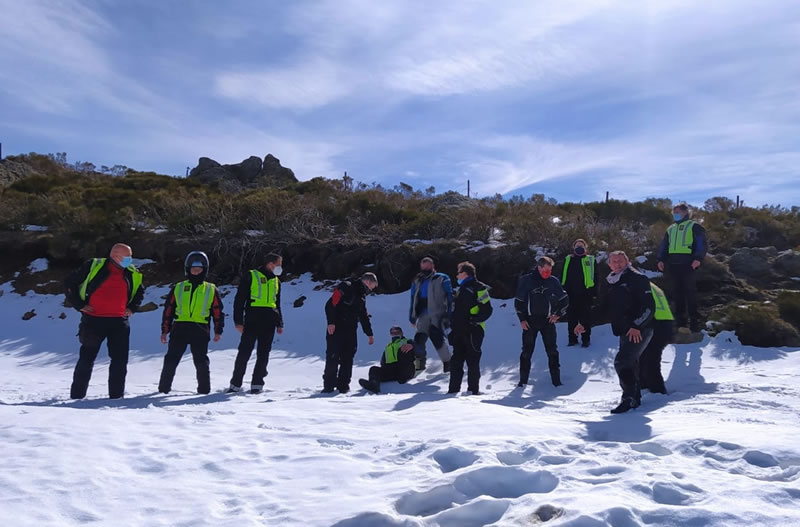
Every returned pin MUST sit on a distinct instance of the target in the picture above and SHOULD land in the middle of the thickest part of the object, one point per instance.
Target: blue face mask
(126, 262)
(580, 251)
(678, 217)
(461, 281)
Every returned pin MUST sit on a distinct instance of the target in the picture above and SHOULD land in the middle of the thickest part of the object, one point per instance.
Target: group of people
(107, 291)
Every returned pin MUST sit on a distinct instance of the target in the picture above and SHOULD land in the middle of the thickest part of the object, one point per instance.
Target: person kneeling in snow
(189, 308)
(402, 360)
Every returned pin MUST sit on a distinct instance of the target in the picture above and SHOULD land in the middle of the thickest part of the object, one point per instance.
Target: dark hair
(682, 207)
(273, 258)
(545, 260)
(466, 267)
(396, 329)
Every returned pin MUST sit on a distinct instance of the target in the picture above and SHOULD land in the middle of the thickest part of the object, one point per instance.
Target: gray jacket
(440, 298)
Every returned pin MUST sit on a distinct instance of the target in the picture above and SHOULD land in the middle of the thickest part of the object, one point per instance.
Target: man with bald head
(631, 307)
(107, 291)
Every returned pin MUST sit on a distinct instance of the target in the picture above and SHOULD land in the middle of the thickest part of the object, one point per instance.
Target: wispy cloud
(672, 98)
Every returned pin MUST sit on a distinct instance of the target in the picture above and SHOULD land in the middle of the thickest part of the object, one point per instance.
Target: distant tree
(84, 166)
(719, 204)
(60, 158)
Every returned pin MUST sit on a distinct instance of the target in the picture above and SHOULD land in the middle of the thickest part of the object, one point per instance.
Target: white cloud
(306, 85)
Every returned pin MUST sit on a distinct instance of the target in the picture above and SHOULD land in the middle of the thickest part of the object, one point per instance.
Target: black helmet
(196, 259)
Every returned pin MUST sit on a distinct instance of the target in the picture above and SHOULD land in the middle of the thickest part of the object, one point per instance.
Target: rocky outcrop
(11, 171)
(788, 263)
(752, 261)
(252, 172)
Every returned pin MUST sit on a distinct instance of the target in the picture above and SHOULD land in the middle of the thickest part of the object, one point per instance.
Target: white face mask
(278, 270)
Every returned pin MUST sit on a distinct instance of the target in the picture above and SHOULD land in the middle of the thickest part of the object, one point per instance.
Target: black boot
(446, 367)
(625, 405)
(572, 343)
(555, 376)
(586, 343)
(370, 386)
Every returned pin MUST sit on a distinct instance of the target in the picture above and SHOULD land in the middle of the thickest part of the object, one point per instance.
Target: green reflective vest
(483, 298)
(193, 306)
(393, 349)
(681, 237)
(663, 312)
(587, 264)
(263, 291)
(98, 264)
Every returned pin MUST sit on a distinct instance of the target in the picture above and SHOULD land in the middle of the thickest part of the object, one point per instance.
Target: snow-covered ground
(721, 450)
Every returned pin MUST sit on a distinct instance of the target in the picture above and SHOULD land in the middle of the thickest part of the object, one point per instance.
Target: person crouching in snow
(190, 306)
(401, 361)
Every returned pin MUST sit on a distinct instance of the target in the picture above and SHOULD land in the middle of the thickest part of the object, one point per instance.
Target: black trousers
(262, 332)
(548, 332)
(91, 333)
(579, 312)
(339, 355)
(196, 337)
(627, 364)
(401, 371)
(467, 344)
(684, 290)
(650, 376)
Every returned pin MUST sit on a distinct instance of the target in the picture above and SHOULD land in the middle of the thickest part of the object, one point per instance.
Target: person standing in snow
(681, 252)
(107, 291)
(539, 303)
(650, 377)
(578, 277)
(257, 316)
(188, 311)
(431, 309)
(346, 307)
(631, 307)
(472, 309)
(401, 361)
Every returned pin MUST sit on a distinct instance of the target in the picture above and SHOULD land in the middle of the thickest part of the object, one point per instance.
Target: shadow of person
(685, 379)
(577, 365)
(630, 427)
(135, 402)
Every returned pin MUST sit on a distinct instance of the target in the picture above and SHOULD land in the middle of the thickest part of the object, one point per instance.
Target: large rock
(788, 262)
(252, 172)
(11, 171)
(752, 261)
(274, 174)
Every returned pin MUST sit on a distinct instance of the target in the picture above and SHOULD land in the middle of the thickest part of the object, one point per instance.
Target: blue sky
(666, 98)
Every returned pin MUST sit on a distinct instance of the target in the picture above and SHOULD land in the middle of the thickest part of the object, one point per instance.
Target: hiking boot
(446, 367)
(625, 405)
(370, 386)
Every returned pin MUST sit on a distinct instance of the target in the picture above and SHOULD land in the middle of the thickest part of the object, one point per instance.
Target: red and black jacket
(73, 282)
